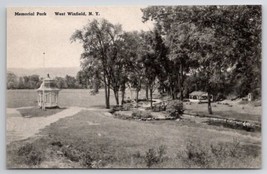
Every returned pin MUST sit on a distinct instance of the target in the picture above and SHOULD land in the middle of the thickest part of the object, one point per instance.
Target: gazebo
(48, 94)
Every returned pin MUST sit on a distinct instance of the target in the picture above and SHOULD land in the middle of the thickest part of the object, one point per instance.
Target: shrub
(196, 155)
(30, 155)
(71, 153)
(159, 107)
(175, 108)
(125, 115)
(141, 114)
(151, 158)
(219, 97)
(87, 160)
(125, 107)
(235, 125)
(218, 155)
(154, 157)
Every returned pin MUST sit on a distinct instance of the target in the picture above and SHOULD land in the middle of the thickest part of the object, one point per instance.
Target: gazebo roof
(48, 85)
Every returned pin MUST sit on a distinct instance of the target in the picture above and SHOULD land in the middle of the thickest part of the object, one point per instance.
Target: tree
(216, 39)
(83, 79)
(12, 81)
(70, 82)
(153, 54)
(99, 39)
(61, 83)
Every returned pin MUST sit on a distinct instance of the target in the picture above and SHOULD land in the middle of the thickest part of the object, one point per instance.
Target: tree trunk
(147, 92)
(108, 97)
(151, 99)
(181, 83)
(116, 94)
(137, 93)
(107, 92)
(122, 96)
(209, 104)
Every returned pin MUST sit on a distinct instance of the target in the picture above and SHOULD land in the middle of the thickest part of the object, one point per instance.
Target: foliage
(235, 125)
(34, 82)
(220, 44)
(154, 157)
(24, 82)
(215, 155)
(87, 160)
(30, 155)
(175, 108)
(159, 107)
(125, 107)
(141, 114)
(72, 153)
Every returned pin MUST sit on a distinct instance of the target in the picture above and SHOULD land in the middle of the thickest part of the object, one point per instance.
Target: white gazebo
(48, 94)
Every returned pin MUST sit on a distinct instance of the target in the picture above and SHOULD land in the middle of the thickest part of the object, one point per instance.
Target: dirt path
(19, 128)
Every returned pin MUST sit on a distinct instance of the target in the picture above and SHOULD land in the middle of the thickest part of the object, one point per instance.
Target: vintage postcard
(134, 87)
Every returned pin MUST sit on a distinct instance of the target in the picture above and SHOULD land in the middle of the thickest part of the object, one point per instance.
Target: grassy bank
(234, 111)
(93, 140)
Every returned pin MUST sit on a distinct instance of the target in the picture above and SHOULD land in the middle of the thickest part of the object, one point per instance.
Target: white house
(199, 97)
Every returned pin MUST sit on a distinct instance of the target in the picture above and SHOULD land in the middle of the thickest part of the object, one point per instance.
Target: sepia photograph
(150, 87)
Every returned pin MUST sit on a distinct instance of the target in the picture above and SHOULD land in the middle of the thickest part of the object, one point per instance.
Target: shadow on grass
(38, 112)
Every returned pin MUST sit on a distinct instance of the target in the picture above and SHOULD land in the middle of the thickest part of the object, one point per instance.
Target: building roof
(48, 85)
(45, 88)
(198, 93)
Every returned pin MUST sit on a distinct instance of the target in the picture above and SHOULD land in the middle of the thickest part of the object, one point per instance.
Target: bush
(159, 107)
(125, 115)
(71, 153)
(235, 125)
(151, 158)
(217, 155)
(196, 155)
(219, 97)
(141, 114)
(154, 157)
(124, 107)
(256, 94)
(127, 106)
(87, 160)
(175, 108)
(30, 155)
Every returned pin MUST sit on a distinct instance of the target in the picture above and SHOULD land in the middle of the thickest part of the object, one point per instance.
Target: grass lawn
(91, 139)
(234, 110)
(67, 97)
(94, 140)
(37, 112)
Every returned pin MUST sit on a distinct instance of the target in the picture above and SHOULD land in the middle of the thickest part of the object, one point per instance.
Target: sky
(28, 37)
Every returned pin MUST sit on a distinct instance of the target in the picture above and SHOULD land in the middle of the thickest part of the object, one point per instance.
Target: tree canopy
(211, 48)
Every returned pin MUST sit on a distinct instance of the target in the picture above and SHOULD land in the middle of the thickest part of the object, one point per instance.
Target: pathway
(19, 128)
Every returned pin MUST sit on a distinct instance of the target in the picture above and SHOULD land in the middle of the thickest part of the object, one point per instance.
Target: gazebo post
(43, 103)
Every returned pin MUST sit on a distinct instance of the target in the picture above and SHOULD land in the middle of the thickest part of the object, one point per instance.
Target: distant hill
(42, 72)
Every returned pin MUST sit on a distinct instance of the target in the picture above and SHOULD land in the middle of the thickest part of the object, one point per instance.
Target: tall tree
(221, 38)
(99, 42)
